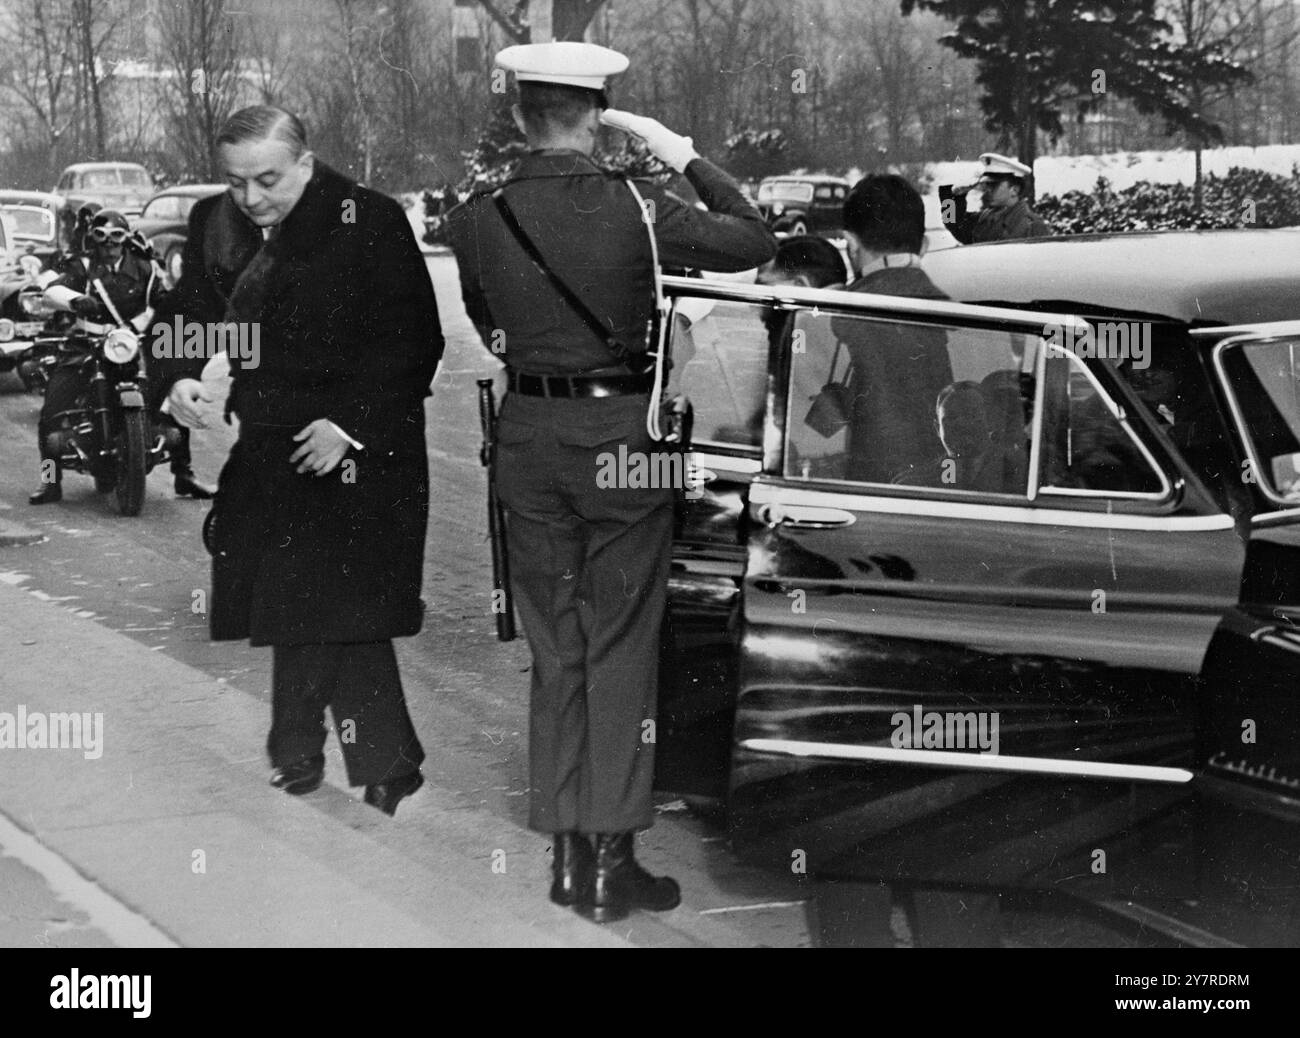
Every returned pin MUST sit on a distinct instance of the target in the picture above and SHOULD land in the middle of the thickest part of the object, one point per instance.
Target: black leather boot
(619, 884)
(571, 868)
(47, 494)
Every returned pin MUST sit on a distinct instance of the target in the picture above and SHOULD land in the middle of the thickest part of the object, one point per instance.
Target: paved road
(137, 579)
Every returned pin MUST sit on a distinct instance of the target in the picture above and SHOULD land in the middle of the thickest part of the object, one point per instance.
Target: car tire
(798, 229)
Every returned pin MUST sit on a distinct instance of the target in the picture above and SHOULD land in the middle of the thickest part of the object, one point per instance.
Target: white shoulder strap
(660, 348)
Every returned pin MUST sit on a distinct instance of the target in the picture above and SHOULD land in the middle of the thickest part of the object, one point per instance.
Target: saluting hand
(322, 450)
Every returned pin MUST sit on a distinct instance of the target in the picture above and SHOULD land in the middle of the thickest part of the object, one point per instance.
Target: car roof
(41, 198)
(1198, 277)
(195, 190)
(78, 167)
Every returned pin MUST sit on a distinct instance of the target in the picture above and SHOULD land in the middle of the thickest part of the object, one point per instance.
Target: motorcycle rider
(133, 285)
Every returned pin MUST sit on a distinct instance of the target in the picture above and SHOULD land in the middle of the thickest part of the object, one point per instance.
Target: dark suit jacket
(898, 371)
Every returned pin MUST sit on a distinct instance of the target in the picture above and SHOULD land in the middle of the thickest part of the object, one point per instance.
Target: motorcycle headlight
(33, 304)
(6, 329)
(778, 208)
(121, 346)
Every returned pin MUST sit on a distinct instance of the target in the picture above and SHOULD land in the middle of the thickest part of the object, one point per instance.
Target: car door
(721, 344)
(978, 593)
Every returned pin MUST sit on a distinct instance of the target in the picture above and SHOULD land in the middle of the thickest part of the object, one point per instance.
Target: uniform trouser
(181, 462)
(589, 569)
(360, 684)
(61, 394)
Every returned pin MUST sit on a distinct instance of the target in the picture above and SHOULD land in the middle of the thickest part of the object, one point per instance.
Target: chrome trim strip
(1264, 482)
(1266, 330)
(864, 302)
(726, 462)
(1276, 517)
(765, 492)
(1169, 925)
(973, 761)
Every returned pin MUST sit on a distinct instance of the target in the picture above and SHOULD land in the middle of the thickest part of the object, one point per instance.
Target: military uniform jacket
(588, 228)
(133, 285)
(1006, 224)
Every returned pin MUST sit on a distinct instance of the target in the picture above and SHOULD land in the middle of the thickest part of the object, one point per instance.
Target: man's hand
(184, 400)
(670, 148)
(322, 450)
(88, 307)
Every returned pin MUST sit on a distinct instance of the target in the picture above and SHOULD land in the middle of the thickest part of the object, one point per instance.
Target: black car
(799, 205)
(164, 221)
(1003, 594)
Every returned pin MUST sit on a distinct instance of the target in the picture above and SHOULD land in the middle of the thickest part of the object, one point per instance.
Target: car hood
(149, 228)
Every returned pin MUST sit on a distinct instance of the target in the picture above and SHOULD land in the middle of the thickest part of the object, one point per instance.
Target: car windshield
(1264, 381)
(114, 177)
(30, 223)
(785, 191)
(168, 207)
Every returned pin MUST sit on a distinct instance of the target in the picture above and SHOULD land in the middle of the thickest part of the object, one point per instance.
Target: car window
(30, 222)
(1263, 378)
(100, 178)
(134, 177)
(908, 404)
(1086, 446)
(785, 191)
(166, 208)
(720, 352)
(824, 194)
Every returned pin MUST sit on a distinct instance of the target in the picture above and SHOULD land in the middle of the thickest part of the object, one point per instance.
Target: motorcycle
(30, 329)
(109, 435)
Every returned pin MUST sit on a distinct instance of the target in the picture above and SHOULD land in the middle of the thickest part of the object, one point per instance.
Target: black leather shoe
(619, 884)
(187, 486)
(47, 494)
(387, 795)
(301, 776)
(571, 868)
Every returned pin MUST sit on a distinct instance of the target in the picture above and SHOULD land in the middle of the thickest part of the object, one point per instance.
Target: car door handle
(803, 517)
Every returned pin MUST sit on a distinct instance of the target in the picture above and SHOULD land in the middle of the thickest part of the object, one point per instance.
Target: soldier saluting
(1006, 215)
(557, 265)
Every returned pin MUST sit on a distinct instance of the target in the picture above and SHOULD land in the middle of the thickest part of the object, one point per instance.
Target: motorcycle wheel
(132, 463)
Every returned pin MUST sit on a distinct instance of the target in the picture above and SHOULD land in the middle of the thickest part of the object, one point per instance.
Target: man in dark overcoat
(589, 562)
(318, 529)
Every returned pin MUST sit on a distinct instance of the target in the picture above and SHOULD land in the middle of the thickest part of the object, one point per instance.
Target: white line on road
(126, 928)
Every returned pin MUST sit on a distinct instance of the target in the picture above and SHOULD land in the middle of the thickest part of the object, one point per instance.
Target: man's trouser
(61, 394)
(589, 566)
(360, 684)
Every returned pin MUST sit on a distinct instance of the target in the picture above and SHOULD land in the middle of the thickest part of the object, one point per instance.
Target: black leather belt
(578, 386)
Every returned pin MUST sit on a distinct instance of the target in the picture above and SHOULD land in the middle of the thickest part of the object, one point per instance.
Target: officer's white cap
(571, 63)
(1001, 166)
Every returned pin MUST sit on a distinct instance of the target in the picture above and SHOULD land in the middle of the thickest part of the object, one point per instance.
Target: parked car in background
(1002, 595)
(124, 186)
(39, 221)
(804, 204)
(165, 223)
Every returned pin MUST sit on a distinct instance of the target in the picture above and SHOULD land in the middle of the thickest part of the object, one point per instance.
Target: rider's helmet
(109, 227)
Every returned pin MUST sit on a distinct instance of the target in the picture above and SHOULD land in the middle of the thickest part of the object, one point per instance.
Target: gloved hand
(670, 148)
(88, 307)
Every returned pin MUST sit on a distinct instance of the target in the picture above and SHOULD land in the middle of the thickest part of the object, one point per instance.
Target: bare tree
(38, 69)
(201, 45)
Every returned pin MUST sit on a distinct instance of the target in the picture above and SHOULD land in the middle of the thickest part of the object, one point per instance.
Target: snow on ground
(1054, 175)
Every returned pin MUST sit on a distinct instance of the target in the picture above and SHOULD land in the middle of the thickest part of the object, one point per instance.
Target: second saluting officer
(589, 564)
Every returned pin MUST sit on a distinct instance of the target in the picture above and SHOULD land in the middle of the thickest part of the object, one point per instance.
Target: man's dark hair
(557, 106)
(260, 122)
(815, 258)
(885, 212)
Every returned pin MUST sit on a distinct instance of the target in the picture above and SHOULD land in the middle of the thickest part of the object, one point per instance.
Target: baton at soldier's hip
(502, 601)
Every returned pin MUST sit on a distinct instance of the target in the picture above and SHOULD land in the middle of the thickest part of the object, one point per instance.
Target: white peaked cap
(1002, 166)
(571, 63)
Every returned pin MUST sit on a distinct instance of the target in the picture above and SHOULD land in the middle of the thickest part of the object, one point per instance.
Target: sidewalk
(175, 819)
